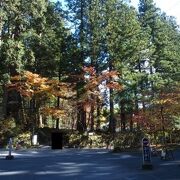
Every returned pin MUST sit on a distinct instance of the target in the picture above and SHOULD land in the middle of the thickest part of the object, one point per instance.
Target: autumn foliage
(30, 84)
(159, 114)
(33, 86)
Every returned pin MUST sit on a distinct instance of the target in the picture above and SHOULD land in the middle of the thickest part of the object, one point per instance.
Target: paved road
(77, 164)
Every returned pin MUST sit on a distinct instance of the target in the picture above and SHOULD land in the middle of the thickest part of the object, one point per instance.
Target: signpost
(146, 152)
(9, 156)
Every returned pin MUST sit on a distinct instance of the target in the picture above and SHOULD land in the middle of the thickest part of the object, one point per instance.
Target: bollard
(10, 156)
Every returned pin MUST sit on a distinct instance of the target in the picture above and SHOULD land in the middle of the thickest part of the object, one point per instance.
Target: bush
(127, 140)
(94, 140)
(8, 129)
(23, 140)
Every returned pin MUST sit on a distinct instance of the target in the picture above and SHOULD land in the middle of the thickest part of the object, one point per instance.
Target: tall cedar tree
(33, 38)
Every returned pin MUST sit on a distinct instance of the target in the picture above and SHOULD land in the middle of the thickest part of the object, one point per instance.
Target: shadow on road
(78, 164)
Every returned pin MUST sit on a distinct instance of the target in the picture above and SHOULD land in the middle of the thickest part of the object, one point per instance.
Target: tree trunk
(92, 119)
(81, 114)
(81, 120)
(98, 116)
(136, 108)
(131, 123)
(112, 125)
(57, 120)
(23, 112)
(4, 102)
(163, 126)
(123, 116)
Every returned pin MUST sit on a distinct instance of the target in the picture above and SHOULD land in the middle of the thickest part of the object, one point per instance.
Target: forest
(89, 66)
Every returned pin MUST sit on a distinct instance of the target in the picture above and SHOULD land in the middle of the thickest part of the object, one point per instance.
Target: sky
(171, 7)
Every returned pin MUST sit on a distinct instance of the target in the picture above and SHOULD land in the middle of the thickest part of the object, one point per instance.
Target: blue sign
(146, 150)
(145, 141)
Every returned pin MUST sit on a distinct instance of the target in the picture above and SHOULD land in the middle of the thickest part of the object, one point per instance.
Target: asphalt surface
(77, 164)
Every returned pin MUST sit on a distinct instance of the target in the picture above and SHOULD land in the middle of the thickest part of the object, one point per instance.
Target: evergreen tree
(162, 61)
(14, 52)
(125, 43)
(77, 10)
(32, 38)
